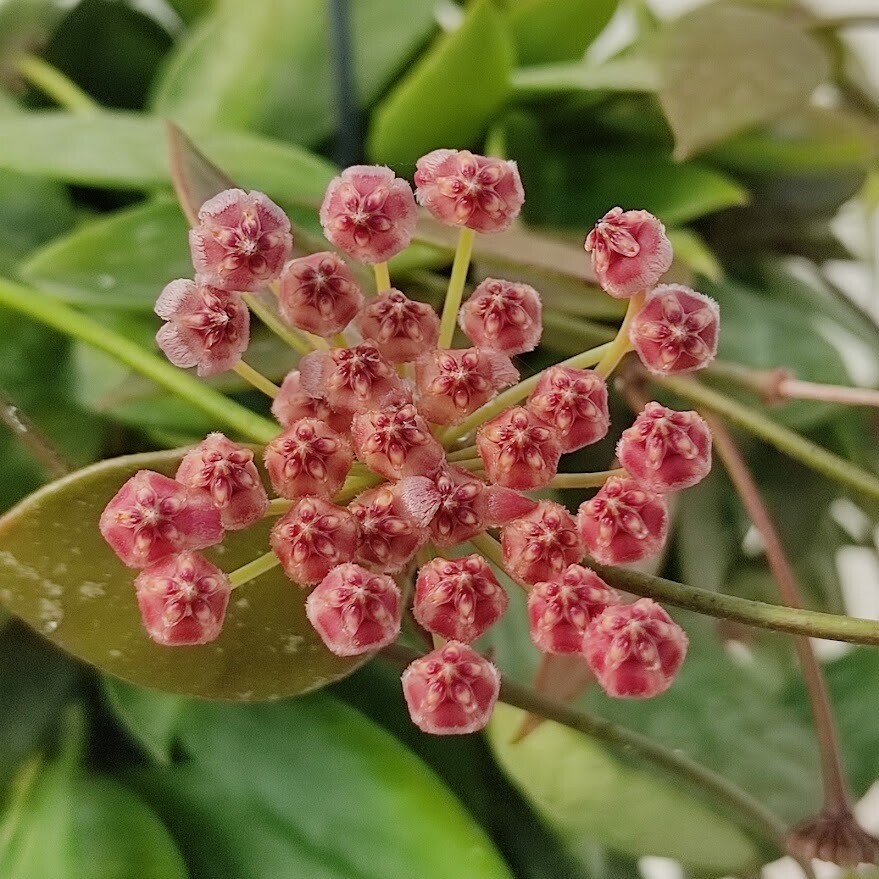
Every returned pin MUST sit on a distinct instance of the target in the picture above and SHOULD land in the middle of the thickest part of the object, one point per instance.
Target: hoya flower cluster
(393, 452)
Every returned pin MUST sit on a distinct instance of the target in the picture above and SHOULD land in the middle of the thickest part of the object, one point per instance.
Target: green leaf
(725, 69)
(317, 791)
(58, 574)
(626, 74)
(691, 250)
(450, 96)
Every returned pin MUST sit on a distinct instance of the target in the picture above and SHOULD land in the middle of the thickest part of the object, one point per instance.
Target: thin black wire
(348, 142)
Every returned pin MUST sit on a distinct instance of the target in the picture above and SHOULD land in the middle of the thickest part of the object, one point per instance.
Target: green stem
(257, 379)
(584, 480)
(382, 277)
(54, 84)
(266, 562)
(277, 507)
(456, 287)
(490, 548)
(72, 323)
(621, 345)
(772, 432)
(465, 454)
(275, 324)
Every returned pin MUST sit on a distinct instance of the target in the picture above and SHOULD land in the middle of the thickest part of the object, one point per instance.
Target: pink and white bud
(542, 544)
(451, 691)
(241, 242)
(388, 536)
(630, 252)
(319, 294)
(574, 403)
(369, 213)
(401, 328)
(226, 471)
(454, 383)
(518, 450)
(458, 599)
(308, 459)
(676, 330)
(462, 189)
(559, 611)
(352, 379)
(355, 611)
(504, 505)
(624, 522)
(152, 517)
(502, 316)
(205, 326)
(395, 441)
(666, 450)
(635, 650)
(312, 538)
(292, 404)
(182, 600)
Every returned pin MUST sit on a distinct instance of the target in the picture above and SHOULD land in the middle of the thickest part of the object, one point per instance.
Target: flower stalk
(457, 282)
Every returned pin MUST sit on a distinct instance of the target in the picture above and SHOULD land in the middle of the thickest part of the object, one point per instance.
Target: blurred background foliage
(750, 128)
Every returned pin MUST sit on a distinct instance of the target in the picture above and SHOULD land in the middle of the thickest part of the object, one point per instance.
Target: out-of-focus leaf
(634, 73)
(23, 25)
(726, 68)
(691, 250)
(265, 66)
(59, 575)
(449, 97)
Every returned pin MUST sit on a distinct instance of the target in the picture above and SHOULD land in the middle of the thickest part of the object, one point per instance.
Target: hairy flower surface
(540, 545)
(503, 316)
(388, 536)
(401, 328)
(293, 403)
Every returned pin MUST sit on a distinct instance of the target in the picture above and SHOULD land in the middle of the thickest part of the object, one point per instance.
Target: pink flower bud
(630, 252)
(503, 316)
(401, 328)
(504, 505)
(152, 517)
(355, 611)
(676, 330)
(319, 294)
(206, 327)
(518, 450)
(350, 379)
(624, 522)
(458, 599)
(182, 599)
(241, 241)
(312, 538)
(542, 544)
(574, 403)
(451, 691)
(395, 441)
(560, 610)
(308, 458)
(292, 403)
(461, 189)
(369, 213)
(635, 650)
(666, 450)
(227, 472)
(453, 383)
(388, 536)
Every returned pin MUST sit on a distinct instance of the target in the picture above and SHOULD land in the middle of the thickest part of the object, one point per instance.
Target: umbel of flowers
(398, 455)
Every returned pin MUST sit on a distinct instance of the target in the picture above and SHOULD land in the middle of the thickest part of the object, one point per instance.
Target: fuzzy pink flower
(676, 330)
(312, 538)
(518, 450)
(401, 328)
(319, 294)
(453, 383)
(559, 611)
(540, 545)
(624, 522)
(630, 252)
(352, 379)
(292, 404)
(666, 450)
(395, 441)
(226, 471)
(355, 611)
(388, 536)
(635, 650)
(458, 599)
(152, 517)
(369, 213)
(241, 242)
(451, 691)
(206, 327)
(308, 459)
(502, 316)
(182, 600)
(462, 189)
(574, 403)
